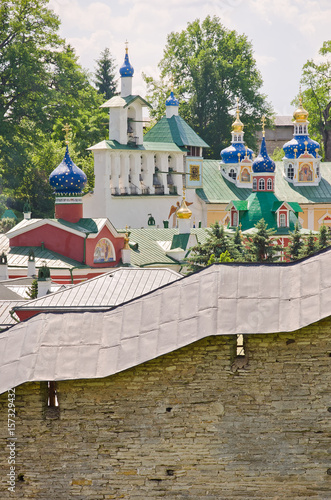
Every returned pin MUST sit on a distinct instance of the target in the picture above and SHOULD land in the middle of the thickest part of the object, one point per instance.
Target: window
(269, 184)
(52, 400)
(300, 129)
(254, 184)
(290, 171)
(233, 174)
(261, 185)
(282, 220)
(235, 218)
(317, 171)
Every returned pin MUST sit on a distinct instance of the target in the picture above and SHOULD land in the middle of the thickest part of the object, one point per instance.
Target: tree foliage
(296, 243)
(105, 78)
(216, 244)
(211, 66)
(42, 87)
(316, 80)
(309, 247)
(261, 247)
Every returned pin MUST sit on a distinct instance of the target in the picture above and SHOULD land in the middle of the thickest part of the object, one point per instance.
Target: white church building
(139, 180)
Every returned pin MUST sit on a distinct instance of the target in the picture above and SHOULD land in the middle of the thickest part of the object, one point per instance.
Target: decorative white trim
(66, 200)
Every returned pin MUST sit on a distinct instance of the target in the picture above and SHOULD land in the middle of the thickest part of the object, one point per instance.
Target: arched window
(300, 129)
(269, 185)
(233, 174)
(254, 184)
(235, 218)
(317, 171)
(282, 220)
(261, 185)
(290, 171)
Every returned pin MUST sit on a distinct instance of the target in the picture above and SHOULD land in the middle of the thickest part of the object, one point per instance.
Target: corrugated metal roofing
(18, 256)
(150, 251)
(224, 299)
(217, 189)
(107, 290)
(6, 319)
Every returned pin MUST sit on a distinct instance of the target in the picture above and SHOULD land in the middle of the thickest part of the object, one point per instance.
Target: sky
(284, 34)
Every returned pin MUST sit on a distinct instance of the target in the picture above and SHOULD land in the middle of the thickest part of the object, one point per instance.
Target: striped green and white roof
(217, 189)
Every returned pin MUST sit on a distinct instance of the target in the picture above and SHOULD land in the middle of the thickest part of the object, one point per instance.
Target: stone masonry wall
(184, 426)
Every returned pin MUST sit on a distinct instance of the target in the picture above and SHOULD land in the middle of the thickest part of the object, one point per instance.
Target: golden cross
(306, 144)
(295, 152)
(263, 123)
(183, 194)
(172, 83)
(316, 151)
(246, 148)
(240, 225)
(126, 46)
(67, 129)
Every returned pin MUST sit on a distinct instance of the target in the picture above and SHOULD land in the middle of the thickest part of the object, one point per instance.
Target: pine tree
(216, 244)
(310, 246)
(323, 237)
(105, 78)
(32, 292)
(296, 243)
(238, 243)
(260, 244)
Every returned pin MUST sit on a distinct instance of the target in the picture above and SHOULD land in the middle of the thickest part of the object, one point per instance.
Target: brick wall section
(185, 426)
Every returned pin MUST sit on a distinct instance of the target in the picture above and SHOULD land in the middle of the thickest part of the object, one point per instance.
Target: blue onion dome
(295, 147)
(263, 163)
(230, 154)
(172, 101)
(67, 178)
(126, 69)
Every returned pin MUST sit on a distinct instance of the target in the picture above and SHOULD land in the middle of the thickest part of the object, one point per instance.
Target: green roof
(83, 225)
(8, 214)
(176, 130)
(261, 205)
(180, 241)
(240, 205)
(149, 252)
(146, 146)
(131, 98)
(295, 206)
(217, 189)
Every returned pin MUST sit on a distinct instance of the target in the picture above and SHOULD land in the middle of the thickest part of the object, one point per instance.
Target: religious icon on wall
(194, 173)
(305, 173)
(103, 251)
(245, 175)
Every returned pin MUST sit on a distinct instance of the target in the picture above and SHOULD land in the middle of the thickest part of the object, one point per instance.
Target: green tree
(261, 246)
(105, 77)
(296, 243)
(323, 237)
(32, 292)
(42, 87)
(309, 247)
(211, 66)
(316, 79)
(216, 244)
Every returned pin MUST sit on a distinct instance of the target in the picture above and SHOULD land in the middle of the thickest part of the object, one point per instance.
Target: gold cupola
(237, 125)
(300, 114)
(183, 212)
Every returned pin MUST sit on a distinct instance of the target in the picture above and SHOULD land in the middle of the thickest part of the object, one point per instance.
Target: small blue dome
(263, 163)
(172, 101)
(67, 178)
(298, 142)
(126, 69)
(230, 154)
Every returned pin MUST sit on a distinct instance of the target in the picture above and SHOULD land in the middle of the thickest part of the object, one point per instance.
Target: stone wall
(186, 425)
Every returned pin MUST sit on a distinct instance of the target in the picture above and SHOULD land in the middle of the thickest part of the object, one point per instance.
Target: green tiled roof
(83, 225)
(176, 130)
(295, 206)
(149, 251)
(8, 214)
(261, 205)
(146, 146)
(180, 241)
(241, 205)
(131, 98)
(216, 189)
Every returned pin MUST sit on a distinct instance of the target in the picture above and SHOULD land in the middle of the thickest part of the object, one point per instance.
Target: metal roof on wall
(224, 299)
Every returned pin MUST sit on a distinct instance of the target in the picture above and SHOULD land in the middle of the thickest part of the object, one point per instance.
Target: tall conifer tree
(105, 77)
